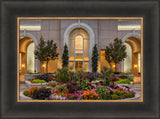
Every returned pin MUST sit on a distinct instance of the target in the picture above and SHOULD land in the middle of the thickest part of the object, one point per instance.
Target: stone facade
(104, 32)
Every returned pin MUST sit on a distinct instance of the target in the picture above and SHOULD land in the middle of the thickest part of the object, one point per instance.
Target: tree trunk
(115, 67)
(47, 67)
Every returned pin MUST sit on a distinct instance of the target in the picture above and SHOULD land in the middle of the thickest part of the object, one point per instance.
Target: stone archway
(91, 37)
(26, 34)
(127, 39)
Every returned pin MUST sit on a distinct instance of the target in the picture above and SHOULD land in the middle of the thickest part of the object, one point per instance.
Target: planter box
(29, 84)
(56, 97)
(123, 84)
(23, 97)
(127, 75)
(30, 76)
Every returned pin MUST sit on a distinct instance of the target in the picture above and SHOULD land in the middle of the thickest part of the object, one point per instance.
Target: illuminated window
(79, 50)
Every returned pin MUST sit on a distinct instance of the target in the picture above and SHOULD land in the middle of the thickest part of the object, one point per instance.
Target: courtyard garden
(65, 84)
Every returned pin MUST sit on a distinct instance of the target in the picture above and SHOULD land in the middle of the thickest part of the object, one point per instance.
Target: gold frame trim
(67, 18)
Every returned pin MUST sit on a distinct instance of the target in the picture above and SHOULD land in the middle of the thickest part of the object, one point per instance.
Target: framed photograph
(67, 68)
(80, 59)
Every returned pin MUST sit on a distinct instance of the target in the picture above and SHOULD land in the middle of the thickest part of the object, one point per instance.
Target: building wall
(105, 32)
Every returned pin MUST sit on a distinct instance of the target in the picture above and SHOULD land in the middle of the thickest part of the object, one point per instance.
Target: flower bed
(30, 84)
(78, 86)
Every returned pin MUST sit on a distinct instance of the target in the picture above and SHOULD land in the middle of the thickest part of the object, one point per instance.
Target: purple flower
(89, 84)
(90, 80)
(100, 81)
(81, 80)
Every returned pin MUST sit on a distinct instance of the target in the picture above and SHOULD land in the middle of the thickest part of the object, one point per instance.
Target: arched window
(79, 50)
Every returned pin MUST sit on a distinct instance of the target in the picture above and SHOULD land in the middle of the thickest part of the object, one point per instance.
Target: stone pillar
(23, 63)
(121, 66)
(135, 62)
(37, 65)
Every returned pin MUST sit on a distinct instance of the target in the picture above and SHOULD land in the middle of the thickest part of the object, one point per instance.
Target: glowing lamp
(113, 66)
(23, 65)
(135, 66)
(43, 65)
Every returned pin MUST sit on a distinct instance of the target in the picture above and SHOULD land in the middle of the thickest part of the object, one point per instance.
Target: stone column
(121, 66)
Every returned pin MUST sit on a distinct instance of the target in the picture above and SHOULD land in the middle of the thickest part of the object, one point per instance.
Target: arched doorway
(91, 41)
(26, 55)
(132, 62)
(79, 50)
(128, 59)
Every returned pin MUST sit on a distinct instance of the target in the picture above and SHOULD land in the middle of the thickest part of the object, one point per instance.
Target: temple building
(80, 35)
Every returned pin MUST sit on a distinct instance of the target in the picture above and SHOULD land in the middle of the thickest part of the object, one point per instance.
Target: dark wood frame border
(11, 9)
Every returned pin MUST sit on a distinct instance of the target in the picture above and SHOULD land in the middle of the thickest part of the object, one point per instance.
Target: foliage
(106, 72)
(105, 82)
(62, 88)
(125, 81)
(38, 81)
(42, 93)
(46, 51)
(90, 95)
(115, 97)
(116, 52)
(65, 56)
(113, 79)
(78, 75)
(72, 87)
(26, 92)
(108, 57)
(52, 83)
(63, 75)
(130, 79)
(94, 59)
(123, 77)
(75, 96)
(30, 91)
(103, 92)
(47, 77)
(124, 94)
(90, 76)
(84, 84)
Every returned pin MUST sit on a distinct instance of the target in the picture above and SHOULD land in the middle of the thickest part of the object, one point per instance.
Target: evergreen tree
(94, 59)
(117, 51)
(65, 56)
(46, 51)
(108, 57)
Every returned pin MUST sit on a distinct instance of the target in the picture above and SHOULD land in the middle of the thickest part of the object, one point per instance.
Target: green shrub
(115, 97)
(38, 81)
(105, 82)
(63, 75)
(130, 79)
(42, 93)
(104, 93)
(52, 83)
(106, 72)
(119, 92)
(84, 84)
(26, 92)
(47, 77)
(124, 94)
(77, 75)
(124, 81)
(62, 88)
(72, 87)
